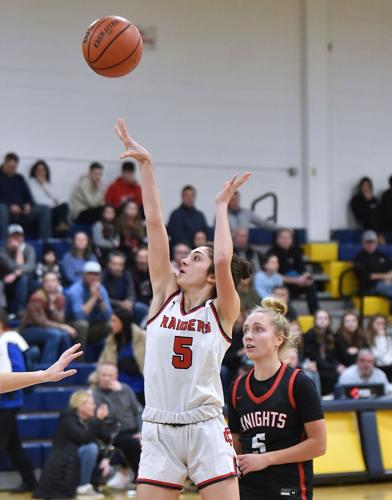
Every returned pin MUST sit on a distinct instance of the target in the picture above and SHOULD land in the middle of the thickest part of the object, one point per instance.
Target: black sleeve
(307, 399)
(233, 416)
(79, 434)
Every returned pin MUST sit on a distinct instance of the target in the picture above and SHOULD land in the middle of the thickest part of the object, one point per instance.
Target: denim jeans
(88, 455)
(39, 213)
(17, 294)
(52, 341)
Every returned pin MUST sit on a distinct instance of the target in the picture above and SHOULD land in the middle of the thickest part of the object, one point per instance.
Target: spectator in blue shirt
(73, 261)
(16, 202)
(266, 280)
(186, 220)
(88, 306)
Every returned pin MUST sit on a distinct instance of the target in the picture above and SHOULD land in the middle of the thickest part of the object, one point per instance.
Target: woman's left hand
(252, 462)
(230, 187)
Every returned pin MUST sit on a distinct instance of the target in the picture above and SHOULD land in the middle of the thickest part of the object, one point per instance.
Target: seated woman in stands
(43, 194)
(380, 344)
(70, 466)
(320, 348)
(349, 339)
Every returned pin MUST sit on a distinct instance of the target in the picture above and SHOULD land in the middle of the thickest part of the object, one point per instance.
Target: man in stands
(17, 264)
(186, 220)
(242, 217)
(125, 409)
(292, 267)
(180, 251)
(141, 277)
(88, 306)
(124, 188)
(374, 268)
(86, 201)
(16, 202)
(12, 346)
(120, 286)
(246, 251)
(364, 372)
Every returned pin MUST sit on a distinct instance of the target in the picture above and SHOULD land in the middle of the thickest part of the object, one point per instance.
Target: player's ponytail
(241, 269)
(277, 310)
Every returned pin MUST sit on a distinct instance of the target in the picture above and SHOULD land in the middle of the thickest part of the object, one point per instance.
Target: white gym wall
(231, 85)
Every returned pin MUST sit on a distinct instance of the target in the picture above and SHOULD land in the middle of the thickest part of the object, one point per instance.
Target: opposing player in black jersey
(274, 414)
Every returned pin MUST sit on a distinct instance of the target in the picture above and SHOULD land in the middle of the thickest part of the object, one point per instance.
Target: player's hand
(252, 462)
(230, 187)
(57, 371)
(133, 149)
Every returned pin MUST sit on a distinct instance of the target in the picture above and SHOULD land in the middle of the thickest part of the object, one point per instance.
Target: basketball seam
(91, 37)
(121, 62)
(110, 43)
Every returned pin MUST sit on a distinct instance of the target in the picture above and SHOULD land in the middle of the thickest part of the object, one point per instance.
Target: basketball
(112, 46)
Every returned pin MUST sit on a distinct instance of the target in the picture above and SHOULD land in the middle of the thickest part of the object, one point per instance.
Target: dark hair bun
(275, 305)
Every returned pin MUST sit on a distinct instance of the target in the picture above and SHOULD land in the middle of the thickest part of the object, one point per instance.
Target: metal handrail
(274, 216)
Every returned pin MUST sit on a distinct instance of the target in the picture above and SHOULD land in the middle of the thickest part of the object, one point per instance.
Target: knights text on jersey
(271, 421)
(184, 353)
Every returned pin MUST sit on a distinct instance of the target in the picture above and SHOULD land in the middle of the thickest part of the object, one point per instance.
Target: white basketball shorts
(203, 451)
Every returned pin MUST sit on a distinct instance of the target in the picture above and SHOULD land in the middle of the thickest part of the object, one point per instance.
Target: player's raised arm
(227, 301)
(163, 279)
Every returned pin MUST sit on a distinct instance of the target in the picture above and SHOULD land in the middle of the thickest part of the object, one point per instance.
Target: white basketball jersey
(184, 353)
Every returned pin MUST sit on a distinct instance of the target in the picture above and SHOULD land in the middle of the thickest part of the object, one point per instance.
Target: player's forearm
(223, 244)
(150, 194)
(18, 380)
(306, 450)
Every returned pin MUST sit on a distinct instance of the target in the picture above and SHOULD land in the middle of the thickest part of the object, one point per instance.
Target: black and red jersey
(269, 415)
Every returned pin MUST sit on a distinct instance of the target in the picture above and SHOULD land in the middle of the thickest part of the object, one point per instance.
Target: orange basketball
(112, 46)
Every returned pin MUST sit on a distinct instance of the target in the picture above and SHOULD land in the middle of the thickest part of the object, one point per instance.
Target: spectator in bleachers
(349, 339)
(244, 218)
(292, 267)
(121, 289)
(283, 293)
(380, 343)
(374, 268)
(365, 206)
(44, 320)
(131, 229)
(364, 372)
(126, 409)
(69, 468)
(124, 187)
(141, 277)
(248, 295)
(87, 201)
(319, 347)
(268, 278)
(307, 366)
(16, 202)
(17, 260)
(246, 251)
(12, 346)
(180, 251)
(200, 238)
(88, 306)
(48, 264)
(186, 220)
(125, 347)
(386, 207)
(73, 262)
(105, 237)
(43, 195)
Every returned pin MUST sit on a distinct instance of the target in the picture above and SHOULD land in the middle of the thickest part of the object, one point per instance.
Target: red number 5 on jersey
(182, 359)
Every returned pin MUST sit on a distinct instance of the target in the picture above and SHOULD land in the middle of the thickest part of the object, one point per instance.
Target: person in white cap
(88, 306)
(17, 264)
(373, 267)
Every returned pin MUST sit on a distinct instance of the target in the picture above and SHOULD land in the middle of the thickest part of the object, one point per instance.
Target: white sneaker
(119, 481)
(87, 491)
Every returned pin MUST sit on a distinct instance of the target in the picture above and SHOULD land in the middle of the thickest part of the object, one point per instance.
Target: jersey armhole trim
(234, 393)
(163, 306)
(291, 388)
(225, 336)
